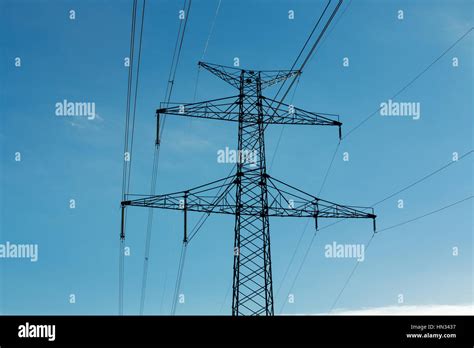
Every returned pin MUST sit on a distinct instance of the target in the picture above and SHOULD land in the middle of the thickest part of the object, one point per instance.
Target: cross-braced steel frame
(251, 194)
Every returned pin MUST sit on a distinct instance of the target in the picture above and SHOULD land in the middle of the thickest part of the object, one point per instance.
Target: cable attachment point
(185, 209)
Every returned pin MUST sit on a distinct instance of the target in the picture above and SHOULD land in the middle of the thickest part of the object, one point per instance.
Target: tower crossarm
(270, 78)
(232, 75)
(225, 109)
(287, 201)
(283, 201)
(280, 113)
(213, 197)
(229, 74)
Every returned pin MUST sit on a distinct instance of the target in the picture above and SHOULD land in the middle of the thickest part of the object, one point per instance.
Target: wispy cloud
(185, 141)
(85, 123)
(433, 309)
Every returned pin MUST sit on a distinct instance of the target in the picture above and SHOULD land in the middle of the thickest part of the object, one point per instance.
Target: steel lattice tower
(251, 194)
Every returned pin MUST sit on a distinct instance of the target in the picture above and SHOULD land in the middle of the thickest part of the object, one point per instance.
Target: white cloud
(184, 141)
(434, 309)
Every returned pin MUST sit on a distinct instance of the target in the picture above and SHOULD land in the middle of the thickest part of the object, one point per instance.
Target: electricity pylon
(251, 194)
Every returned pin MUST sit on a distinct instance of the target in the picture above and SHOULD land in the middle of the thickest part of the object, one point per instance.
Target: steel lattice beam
(227, 109)
(283, 201)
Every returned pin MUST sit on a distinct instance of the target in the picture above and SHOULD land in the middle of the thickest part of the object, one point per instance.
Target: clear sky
(64, 158)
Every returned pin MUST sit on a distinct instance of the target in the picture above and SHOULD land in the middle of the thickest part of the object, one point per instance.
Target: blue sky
(75, 158)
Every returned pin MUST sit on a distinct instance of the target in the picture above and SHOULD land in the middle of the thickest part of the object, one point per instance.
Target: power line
(329, 168)
(412, 81)
(300, 70)
(170, 81)
(322, 42)
(126, 167)
(394, 96)
(311, 50)
(304, 46)
(163, 292)
(178, 278)
(156, 155)
(299, 269)
(310, 54)
(372, 114)
(350, 275)
(204, 217)
(129, 91)
(410, 185)
(423, 178)
(180, 270)
(211, 30)
(178, 54)
(225, 297)
(320, 35)
(136, 94)
(291, 259)
(389, 228)
(389, 196)
(425, 215)
(283, 127)
(334, 26)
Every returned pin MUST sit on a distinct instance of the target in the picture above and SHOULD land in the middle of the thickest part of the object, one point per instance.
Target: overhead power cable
(416, 182)
(389, 228)
(376, 111)
(400, 91)
(126, 166)
(156, 157)
(312, 54)
(205, 49)
(350, 275)
(411, 81)
(425, 215)
(179, 278)
(137, 79)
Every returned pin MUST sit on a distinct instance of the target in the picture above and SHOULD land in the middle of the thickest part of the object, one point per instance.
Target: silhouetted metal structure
(251, 194)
